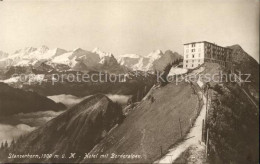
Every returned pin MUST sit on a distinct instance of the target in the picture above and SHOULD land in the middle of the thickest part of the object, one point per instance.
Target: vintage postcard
(129, 81)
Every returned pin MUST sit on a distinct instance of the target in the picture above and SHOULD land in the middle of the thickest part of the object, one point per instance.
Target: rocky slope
(244, 63)
(14, 101)
(77, 130)
(233, 126)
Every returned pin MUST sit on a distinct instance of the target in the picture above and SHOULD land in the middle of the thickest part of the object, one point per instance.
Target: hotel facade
(197, 53)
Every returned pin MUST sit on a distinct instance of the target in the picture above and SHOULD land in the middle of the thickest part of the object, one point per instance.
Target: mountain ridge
(14, 101)
(80, 128)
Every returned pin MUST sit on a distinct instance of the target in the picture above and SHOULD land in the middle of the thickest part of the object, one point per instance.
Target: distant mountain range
(62, 60)
(43, 60)
(51, 60)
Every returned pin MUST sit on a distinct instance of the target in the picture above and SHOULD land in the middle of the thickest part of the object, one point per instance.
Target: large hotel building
(196, 53)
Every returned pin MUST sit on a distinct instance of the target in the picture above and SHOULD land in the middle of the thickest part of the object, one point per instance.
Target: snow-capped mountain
(101, 53)
(131, 61)
(43, 59)
(137, 62)
(106, 58)
(76, 56)
(30, 56)
(62, 60)
(154, 55)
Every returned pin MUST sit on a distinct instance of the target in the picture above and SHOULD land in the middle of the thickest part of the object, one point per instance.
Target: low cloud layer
(121, 99)
(23, 123)
(9, 132)
(36, 118)
(67, 100)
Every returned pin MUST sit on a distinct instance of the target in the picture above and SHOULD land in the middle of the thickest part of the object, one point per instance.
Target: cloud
(9, 132)
(68, 100)
(36, 118)
(121, 99)
(25, 123)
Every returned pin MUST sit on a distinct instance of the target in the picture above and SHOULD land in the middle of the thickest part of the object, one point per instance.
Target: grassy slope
(152, 124)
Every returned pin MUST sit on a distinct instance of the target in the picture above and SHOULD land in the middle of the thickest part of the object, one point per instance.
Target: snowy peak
(59, 51)
(30, 51)
(50, 54)
(130, 60)
(156, 60)
(156, 54)
(77, 56)
(106, 58)
(129, 56)
(137, 62)
(101, 53)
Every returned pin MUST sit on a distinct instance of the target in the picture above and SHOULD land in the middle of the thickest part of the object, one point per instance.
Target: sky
(128, 26)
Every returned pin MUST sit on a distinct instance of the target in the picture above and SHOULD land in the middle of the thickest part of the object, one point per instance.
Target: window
(199, 49)
(193, 45)
(186, 61)
(192, 61)
(193, 50)
(199, 60)
(199, 55)
(192, 65)
(187, 50)
(192, 56)
(187, 56)
(186, 65)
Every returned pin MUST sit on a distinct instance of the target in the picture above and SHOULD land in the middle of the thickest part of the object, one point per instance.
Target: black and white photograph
(129, 81)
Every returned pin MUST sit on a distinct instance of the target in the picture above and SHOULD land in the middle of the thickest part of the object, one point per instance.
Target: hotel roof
(197, 42)
(205, 42)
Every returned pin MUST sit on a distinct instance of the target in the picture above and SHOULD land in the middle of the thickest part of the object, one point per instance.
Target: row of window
(192, 61)
(216, 52)
(191, 65)
(215, 47)
(193, 50)
(193, 56)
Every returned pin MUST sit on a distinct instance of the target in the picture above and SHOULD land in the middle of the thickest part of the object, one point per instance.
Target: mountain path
(193, 138)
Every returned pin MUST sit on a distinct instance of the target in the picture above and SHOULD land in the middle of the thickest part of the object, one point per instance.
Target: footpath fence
(205, 127)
